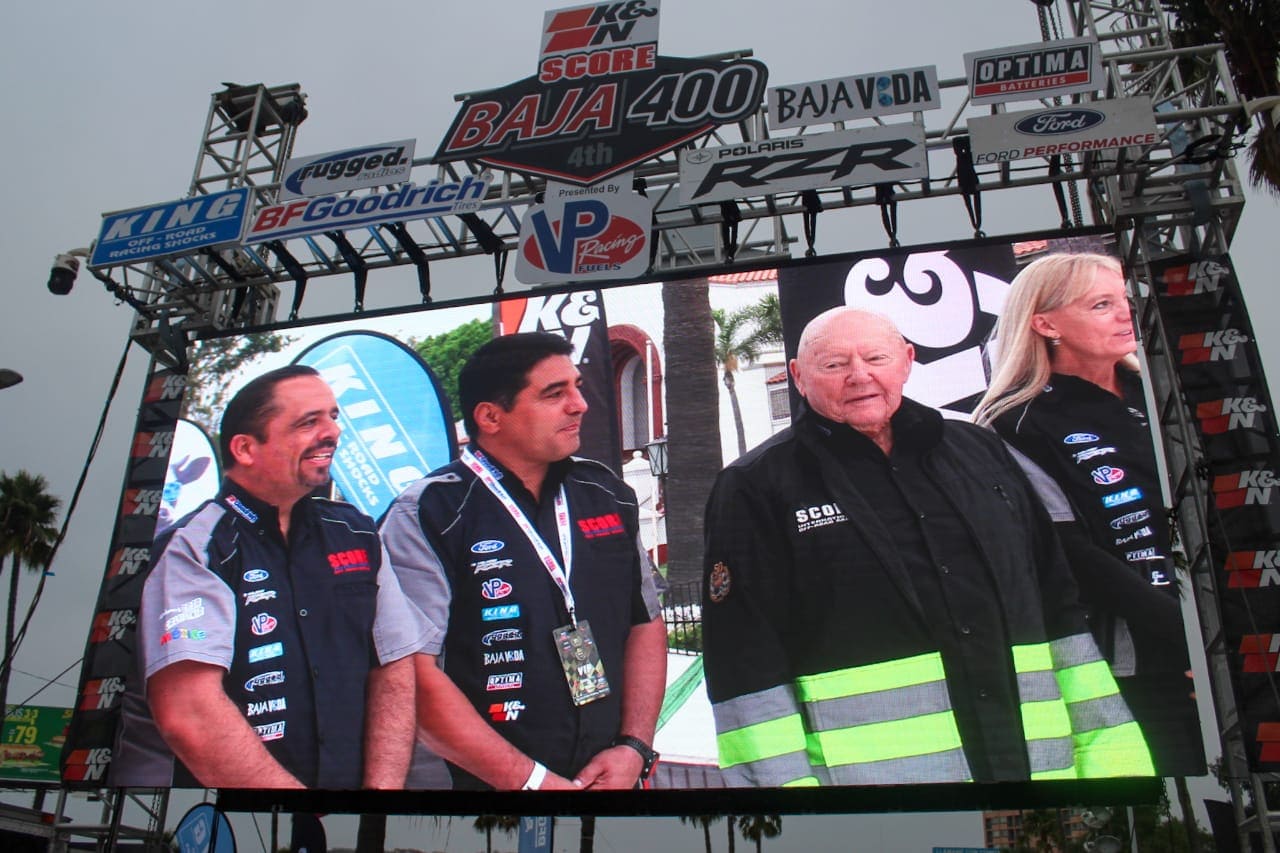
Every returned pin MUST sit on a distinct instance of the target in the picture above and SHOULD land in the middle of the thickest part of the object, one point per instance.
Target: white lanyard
(560, 576)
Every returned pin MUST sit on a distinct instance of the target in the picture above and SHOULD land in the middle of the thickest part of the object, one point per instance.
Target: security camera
(63, 274)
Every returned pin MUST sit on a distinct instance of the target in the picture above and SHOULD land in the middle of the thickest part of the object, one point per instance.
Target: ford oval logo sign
(487, 546)
(1060, 121)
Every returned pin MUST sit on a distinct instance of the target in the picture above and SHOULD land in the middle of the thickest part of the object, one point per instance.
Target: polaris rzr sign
(842, 158)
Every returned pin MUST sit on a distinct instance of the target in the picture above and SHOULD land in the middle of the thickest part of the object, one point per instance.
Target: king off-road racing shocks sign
(171, 228)
(604, 102)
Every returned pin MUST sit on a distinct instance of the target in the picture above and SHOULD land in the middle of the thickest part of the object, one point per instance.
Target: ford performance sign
(1072, 129)
(352, 169)
(159, 230)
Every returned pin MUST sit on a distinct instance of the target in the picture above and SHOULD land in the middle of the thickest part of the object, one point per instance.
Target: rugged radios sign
(352, 169)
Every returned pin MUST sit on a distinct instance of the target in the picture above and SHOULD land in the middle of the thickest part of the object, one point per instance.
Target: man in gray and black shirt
(273, 643)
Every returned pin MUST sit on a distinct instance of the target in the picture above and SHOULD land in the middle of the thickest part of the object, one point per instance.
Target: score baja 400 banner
(583, 233)
(586, 130)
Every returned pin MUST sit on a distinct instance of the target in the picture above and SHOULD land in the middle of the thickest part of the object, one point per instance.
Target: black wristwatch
(646, 752)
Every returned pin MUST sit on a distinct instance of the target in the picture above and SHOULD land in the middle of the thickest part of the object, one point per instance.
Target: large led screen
(793, 560)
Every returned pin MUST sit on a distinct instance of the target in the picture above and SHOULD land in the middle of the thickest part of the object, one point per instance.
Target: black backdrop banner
(1220, 371)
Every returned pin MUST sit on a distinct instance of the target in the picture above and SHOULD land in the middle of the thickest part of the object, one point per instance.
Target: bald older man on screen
(885, 601)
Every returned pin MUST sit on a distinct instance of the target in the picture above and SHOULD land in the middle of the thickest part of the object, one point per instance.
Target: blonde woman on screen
(1066, 392)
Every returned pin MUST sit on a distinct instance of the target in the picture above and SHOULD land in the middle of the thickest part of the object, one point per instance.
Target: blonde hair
(1022, 356)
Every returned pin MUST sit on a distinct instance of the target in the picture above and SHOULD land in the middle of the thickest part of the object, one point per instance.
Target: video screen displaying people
(933, 542)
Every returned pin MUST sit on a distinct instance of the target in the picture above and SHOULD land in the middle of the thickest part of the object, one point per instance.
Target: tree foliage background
(1249, 31)
(446, 353)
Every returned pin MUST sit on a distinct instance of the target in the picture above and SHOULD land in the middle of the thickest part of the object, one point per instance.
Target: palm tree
(757, 827)
(704, 821)
(693, 438)
(740, 336)
(487, 823)
(1042, 829)
(27, 535)
(1250, 33)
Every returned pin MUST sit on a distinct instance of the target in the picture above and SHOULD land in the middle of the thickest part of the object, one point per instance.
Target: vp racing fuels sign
(880, 93)
(842, 158)
(586, 121)
(596, 232)
(158, 230)
(1071, 129)
(1029, 71)
(352, 169)
(331, 212)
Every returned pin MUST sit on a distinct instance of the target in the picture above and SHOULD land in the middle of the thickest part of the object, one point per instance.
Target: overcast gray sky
(105, 106)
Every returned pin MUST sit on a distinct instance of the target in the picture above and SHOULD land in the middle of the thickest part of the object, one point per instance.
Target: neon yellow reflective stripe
(806, 782)
(761, 741)
(1065, 773)
(1048, 719)
(888, 675)
(1087, 681)
(894, 739)
(1115, 751)
(1032, 658)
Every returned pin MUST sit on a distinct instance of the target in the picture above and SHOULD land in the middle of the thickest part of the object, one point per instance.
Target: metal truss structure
(1179, 195)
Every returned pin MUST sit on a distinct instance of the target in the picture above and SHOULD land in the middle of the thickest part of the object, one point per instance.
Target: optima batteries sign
(1092, 126)
(1029, 71)
(842, 158)
(352, 169)
(330, 212)
(158, 230)
(879, 93)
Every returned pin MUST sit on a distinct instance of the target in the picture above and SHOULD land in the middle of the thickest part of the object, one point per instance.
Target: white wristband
(536, 777)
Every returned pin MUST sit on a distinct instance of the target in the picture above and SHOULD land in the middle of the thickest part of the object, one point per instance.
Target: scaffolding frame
(1179, 195)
